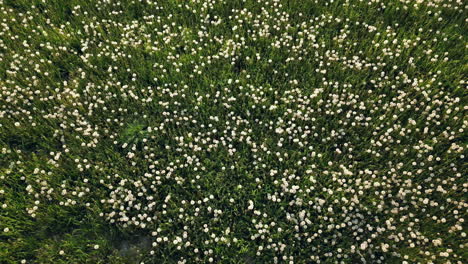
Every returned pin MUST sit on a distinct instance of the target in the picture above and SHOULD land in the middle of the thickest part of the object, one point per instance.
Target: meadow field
(233, 131)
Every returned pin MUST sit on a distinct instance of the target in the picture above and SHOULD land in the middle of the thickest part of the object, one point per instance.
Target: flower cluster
(261, 131)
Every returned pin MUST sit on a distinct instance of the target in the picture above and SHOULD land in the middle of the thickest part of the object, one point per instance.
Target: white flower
(363, 245)
(251, 205)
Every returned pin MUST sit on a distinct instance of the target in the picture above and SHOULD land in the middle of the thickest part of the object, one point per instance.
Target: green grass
(191, 107)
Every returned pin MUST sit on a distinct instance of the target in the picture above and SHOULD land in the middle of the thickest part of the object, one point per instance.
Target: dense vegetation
(233, 131)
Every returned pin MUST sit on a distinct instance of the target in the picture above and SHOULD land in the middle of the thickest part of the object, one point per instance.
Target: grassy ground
(233, 131)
